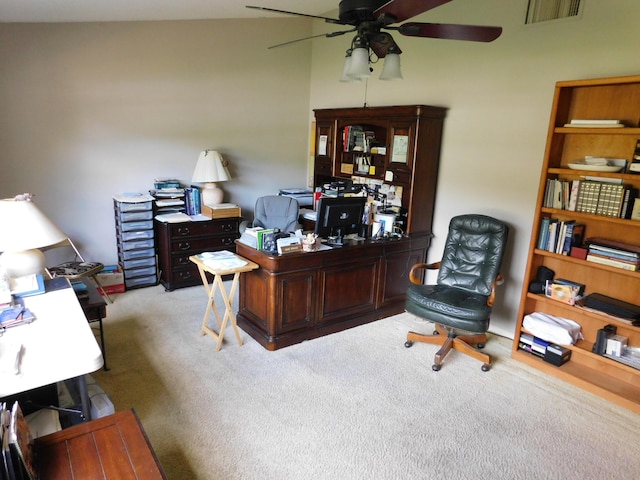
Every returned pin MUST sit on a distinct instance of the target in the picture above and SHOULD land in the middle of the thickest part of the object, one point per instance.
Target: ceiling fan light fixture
(345, 78)
(391, 67)
(359, 67)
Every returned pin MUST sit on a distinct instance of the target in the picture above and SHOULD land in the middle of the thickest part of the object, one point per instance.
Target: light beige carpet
(353, 405)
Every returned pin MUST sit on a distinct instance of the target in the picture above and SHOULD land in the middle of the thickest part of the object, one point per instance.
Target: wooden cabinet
(399, 146)
(613, 98)
(178, 241)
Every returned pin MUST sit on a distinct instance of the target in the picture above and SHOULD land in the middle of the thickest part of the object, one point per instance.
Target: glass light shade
(345, 78)
(210, 169)
(25, 229)
(359, 63)
(391, 68)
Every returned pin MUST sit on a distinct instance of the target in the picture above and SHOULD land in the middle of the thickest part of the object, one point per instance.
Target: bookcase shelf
(610, 98)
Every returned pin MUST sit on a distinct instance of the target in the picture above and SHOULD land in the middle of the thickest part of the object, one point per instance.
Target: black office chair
(462, 298)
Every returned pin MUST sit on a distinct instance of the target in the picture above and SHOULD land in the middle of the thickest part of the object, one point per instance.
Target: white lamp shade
(210, 168)
(359, 63)
(345, 78)
(391, 68)
(25, 227)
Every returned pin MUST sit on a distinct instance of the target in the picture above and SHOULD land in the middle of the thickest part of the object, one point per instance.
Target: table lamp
(25, 229)
(211, 168)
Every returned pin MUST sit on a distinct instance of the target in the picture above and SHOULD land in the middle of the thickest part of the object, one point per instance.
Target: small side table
(95, 309)
(226, 298)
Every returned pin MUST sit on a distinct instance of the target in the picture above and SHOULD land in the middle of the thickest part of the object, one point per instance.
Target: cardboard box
(224, 210)
(111, 280)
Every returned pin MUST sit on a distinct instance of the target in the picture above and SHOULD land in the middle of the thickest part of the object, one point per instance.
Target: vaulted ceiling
(142, 10)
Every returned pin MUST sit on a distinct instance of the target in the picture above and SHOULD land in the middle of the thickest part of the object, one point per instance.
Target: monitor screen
(339, 216)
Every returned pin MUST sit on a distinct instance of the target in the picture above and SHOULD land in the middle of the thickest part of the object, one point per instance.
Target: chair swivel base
(449, 340)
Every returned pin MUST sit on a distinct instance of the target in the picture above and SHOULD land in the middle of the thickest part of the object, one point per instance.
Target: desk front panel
(300, 296)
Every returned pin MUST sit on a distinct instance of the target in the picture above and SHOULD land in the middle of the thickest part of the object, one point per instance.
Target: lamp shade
(359, 63)
(26, 227)
(391, 68)
(210, 168)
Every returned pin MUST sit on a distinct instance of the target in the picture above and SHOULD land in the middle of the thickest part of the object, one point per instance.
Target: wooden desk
(57, 345)
(112, 447)
(300, 296)
(211, 304)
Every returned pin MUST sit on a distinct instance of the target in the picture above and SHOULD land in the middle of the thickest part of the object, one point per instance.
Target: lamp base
(19, 264)
(212, 195)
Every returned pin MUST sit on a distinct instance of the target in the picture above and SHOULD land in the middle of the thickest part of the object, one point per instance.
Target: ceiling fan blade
(474, 33)
(381, 43)
(273, 10)
(401, 10)
(328, 35)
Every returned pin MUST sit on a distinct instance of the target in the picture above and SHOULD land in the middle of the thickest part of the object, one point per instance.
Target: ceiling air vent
(544, 10)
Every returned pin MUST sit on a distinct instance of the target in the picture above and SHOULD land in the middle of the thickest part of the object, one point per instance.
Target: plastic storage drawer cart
(135, 236)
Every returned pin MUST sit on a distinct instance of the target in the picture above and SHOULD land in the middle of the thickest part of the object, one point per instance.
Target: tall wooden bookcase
(608, 98)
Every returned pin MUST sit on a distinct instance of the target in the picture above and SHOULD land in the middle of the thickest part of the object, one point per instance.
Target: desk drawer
(199, 245)
(194, 229)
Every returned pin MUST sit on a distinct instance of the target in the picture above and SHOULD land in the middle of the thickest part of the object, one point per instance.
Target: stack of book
(594, 123)
(18, 449)
(193, 201)
(559, 236)
(614, 254)
(589, 196)
(533, 345)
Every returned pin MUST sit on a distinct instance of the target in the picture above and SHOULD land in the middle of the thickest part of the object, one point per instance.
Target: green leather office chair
(460, 302)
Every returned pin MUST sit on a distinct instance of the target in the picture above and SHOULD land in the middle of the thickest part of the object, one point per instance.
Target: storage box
(224, 210)
(556, 355)
(615, 344)
(111, 280)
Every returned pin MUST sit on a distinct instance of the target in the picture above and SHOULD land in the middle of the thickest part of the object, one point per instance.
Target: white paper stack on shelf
(553, 329)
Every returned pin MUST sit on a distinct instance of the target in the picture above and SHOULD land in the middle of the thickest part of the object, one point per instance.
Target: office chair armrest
(413, 276)
(498, 281)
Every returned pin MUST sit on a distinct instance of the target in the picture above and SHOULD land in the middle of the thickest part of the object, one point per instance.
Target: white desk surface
(57, 345)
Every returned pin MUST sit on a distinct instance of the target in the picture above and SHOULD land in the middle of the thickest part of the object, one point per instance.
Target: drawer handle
(183, 261)
(185, 275)
(227, 241)
(184, 246)
(227, 227)
(184, 231)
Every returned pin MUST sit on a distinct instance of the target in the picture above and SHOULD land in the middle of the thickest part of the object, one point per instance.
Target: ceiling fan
(370, 17)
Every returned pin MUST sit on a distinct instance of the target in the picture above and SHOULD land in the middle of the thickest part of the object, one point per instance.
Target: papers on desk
(221, 260)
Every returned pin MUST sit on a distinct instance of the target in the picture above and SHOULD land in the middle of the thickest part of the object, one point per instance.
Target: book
(543, 234)
(27, 285)
(260, 234)
(21, 444)
(14, 316)
(612, 262)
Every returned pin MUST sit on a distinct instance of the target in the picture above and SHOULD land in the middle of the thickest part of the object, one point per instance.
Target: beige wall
(91, 110)
(499, 97)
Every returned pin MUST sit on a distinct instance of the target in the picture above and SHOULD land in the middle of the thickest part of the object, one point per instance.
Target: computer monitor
(339, 216)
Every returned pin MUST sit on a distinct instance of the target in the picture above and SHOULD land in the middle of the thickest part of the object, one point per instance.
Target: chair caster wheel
(486, 367)
(435, 367)
(480, 345)
(408, 343)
